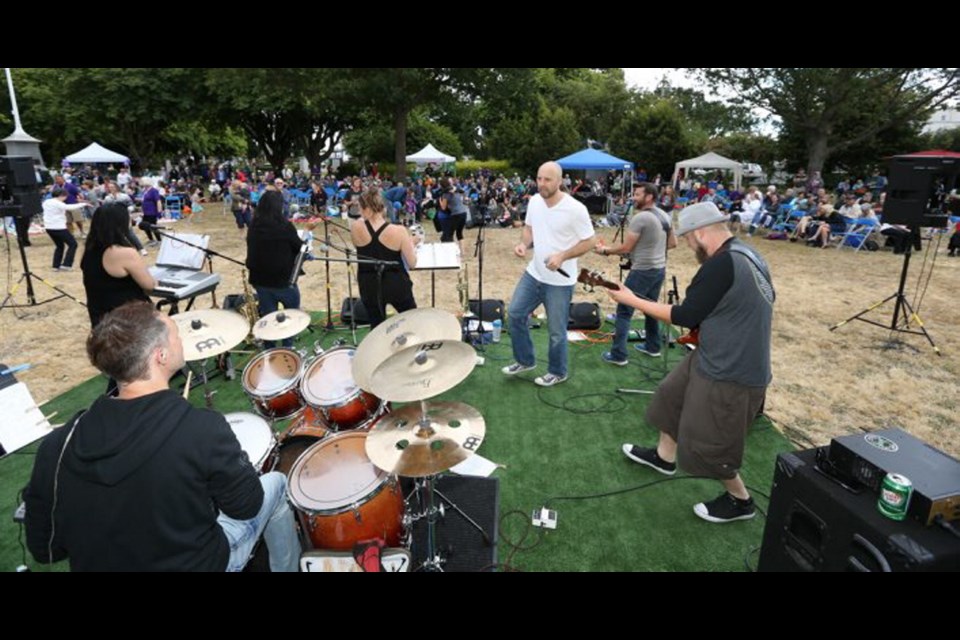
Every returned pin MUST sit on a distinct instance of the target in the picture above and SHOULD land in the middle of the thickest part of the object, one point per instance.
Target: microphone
(560, 271)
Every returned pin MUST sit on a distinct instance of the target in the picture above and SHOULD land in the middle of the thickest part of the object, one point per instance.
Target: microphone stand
(478, 254)
(326, 239)
(380, 265)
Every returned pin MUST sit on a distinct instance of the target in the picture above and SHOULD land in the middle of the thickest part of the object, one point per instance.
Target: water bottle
(497, 328)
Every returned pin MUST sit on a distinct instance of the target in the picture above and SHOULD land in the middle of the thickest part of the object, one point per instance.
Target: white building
(942, 120)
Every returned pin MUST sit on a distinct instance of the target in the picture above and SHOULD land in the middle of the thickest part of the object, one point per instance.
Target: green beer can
(895, 493)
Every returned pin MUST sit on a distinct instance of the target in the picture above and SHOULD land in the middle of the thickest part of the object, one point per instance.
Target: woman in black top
(272, 248)
(375, 238)
(113, 271)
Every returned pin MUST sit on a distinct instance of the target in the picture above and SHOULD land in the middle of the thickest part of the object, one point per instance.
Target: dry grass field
(825, 383)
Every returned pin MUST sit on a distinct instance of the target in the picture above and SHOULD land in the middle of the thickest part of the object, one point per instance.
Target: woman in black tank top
(377, 239)
(113, 271)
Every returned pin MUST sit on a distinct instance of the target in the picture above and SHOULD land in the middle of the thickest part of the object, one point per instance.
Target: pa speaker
(358, 309)
(489, 311)
(22, 204)
(816, 524)
(917, 189)
(19, 171)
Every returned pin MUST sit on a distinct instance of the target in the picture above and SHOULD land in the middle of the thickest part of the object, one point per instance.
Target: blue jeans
(530, 294)
(644, 283)
(274, 521)
(270, 300)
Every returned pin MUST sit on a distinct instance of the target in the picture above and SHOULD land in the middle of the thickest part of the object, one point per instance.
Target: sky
(649, 77)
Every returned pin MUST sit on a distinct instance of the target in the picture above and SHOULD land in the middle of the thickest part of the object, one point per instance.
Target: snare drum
(329, 388)
(342, 498)
(272, 381)
(256, 439)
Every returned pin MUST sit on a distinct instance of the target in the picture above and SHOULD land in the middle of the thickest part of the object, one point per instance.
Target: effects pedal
(545, 518)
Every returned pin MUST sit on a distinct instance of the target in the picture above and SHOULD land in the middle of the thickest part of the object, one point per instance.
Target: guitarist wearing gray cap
(705, 406)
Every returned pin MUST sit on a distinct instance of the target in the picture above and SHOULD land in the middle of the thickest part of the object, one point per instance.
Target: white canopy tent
(430, 154)
(96, 153)
(710, 161)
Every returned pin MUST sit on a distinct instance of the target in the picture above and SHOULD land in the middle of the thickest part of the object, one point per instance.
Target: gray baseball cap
(697, 216)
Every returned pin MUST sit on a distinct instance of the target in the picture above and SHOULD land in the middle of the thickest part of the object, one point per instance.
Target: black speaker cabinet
(19, 171)
(492, 309)
(815, 524)
(358, 308)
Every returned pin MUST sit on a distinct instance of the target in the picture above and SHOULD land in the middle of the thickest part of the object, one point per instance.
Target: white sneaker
(515, 368)
(549, 380)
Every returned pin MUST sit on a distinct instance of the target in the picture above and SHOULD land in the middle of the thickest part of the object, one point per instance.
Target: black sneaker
(650, 458)
(725, 508)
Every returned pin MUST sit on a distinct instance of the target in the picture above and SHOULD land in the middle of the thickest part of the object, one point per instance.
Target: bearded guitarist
(704, 407)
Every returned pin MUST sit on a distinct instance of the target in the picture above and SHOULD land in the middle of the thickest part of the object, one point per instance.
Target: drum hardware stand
(29, 276)
(425, 488)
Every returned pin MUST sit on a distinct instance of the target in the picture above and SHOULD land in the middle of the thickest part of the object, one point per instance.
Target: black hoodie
(141, 484)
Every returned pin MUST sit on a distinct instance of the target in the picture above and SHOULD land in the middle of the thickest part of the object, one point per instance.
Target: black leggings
(145, 224)
(453, 225)
(397, 290)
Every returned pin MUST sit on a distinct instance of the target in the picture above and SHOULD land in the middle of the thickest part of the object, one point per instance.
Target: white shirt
(55, 213)
(556, 229)
(123, 179)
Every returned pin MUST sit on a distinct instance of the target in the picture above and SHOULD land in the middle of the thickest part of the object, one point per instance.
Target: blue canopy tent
(594, 160)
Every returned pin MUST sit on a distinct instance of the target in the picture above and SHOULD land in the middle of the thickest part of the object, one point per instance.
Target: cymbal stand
(425, 489)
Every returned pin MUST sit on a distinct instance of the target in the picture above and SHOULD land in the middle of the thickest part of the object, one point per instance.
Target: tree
(820, 103)
(712, 117)
(653, 137)
(597, 98)
(288, 110)
(396, 92)
(374, 141)
(531, 139)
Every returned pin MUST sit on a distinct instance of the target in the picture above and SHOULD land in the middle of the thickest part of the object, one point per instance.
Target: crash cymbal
(210, 332)
(281, 325)
(423, 371)
(400, 332)
(404, 443)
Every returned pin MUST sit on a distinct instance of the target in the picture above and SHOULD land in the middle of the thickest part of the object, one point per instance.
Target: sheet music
(438, 255)
(21, 421)
(477, 466)
(177, 254)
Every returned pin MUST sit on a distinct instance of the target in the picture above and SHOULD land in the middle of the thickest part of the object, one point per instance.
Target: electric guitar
(596, 279)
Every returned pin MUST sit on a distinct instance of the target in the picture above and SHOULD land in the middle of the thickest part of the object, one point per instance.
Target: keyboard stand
(175, 302)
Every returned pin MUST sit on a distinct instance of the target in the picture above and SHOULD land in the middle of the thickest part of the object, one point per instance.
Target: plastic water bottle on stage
(497, 328)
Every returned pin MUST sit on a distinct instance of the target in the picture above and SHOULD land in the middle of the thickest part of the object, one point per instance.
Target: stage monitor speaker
(492, 309)
(917, 188)
(19, 171)
(361, 311)
(584, 316)
(461, 545)
(815, 524)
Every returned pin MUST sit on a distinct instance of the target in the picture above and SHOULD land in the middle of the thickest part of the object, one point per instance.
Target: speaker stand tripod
(903, 313)
(29, 277)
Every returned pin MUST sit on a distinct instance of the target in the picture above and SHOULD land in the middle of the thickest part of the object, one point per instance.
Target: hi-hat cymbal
(410, 328)
(210, 332)
(404, 443)
(281, 325)
(423, 371)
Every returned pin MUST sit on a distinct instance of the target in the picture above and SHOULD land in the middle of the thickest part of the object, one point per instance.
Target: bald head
(548, 182)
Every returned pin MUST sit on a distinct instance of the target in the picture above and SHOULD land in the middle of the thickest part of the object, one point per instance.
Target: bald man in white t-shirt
(558, 230)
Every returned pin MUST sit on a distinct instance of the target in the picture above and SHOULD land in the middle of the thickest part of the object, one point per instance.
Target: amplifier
(865, 460)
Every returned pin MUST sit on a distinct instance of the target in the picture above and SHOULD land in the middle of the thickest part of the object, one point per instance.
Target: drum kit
(345, 447)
